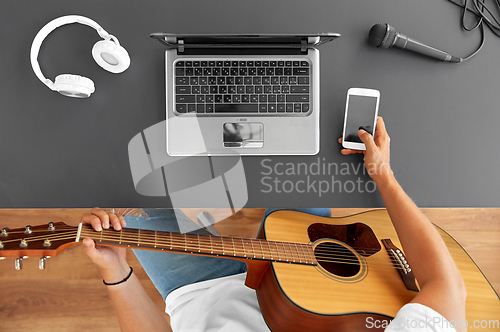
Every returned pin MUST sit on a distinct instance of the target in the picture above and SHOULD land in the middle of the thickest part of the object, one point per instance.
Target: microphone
(385, 36)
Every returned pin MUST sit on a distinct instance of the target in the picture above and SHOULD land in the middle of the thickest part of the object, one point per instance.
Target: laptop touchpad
(243, 135)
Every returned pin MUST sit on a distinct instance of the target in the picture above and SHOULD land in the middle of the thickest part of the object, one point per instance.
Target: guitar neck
(229, 247)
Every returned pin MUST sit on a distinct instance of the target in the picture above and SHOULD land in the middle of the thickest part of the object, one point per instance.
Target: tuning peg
(51, 227)
(27, 229)
(1, 245)
(18, 263)
(5, 231)
(41, 263)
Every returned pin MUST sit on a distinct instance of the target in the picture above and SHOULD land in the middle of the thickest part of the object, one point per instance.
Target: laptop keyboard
(272, 87)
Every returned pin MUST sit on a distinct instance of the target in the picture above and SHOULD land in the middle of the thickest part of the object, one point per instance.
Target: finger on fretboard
(133, 212)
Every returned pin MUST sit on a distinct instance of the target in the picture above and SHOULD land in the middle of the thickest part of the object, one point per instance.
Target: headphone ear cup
(74, 85)
(111, 56)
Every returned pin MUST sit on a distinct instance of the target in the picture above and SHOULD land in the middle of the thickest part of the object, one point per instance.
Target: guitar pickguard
(359, 236)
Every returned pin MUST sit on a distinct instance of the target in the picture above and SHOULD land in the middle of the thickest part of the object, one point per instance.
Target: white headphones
(107, 53)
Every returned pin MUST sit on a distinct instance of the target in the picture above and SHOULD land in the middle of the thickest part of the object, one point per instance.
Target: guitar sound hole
(337, 259)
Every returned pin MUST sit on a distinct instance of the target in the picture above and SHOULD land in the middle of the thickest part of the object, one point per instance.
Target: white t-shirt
(227, 305)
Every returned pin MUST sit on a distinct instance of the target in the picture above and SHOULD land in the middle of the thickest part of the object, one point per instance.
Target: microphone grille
(382, 35)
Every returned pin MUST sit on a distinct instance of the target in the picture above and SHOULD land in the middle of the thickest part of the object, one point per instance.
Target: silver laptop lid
(189, 43)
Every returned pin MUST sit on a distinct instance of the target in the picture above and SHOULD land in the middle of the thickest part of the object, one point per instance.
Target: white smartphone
(361, 110)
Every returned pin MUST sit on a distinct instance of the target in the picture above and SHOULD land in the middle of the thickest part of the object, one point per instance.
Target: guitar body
(309, 298)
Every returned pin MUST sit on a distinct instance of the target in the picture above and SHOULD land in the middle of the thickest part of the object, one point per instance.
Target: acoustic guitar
(310, 273)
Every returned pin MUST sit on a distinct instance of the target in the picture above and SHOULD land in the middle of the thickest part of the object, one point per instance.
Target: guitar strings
(258, 247)
(318, 258)
(272, 257)
(47, 236)
(175, 237)
(183, 246)
(254, 253)
(206, 244)
(364, 249)
(263, 247)
(44, 230)
(320, 255)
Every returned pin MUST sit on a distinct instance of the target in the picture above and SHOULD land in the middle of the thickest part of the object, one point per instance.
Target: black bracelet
(119, 282)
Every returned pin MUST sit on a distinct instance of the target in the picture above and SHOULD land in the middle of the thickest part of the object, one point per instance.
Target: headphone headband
(51, 26)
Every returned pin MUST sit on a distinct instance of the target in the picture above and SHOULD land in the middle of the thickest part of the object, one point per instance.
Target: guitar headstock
(36, 241)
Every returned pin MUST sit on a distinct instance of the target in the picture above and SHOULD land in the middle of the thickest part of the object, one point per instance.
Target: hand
(377, 154)
(111, 261)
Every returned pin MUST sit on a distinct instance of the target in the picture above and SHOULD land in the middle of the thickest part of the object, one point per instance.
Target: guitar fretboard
(287, 252)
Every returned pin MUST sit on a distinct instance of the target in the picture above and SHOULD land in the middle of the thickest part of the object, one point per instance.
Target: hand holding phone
(360, 113)
(377, 154)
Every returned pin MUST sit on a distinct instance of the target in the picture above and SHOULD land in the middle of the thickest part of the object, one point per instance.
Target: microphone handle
(406, 43)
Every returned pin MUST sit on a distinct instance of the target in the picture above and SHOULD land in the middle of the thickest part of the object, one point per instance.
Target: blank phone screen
(360, 115)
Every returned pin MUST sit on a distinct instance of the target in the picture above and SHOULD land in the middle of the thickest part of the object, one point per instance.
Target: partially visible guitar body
(311, 273)
(321, 301)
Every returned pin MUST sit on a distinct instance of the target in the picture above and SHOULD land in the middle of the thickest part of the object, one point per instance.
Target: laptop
(255, 94)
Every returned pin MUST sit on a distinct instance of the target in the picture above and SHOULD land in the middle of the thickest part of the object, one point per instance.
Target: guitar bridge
(400, 263)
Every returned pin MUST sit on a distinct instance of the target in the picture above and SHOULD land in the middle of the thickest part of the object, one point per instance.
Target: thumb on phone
(367, 139)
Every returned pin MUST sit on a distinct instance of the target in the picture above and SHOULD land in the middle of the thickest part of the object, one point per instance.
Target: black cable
(484, 17)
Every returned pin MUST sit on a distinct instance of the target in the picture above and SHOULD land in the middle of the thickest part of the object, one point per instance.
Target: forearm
(441, 285)
(423, 246)
(136, 311)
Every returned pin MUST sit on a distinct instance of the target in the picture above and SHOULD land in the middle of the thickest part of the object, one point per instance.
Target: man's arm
(441, 284)
(136, 311)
